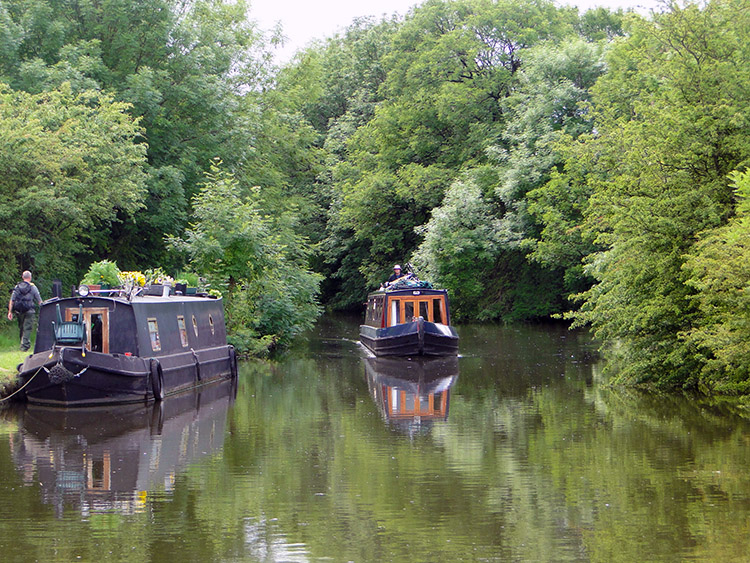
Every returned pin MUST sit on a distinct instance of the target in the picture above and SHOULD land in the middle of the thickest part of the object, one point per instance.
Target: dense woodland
(536, 161)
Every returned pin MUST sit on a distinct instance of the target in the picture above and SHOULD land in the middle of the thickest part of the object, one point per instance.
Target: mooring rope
(24, 385)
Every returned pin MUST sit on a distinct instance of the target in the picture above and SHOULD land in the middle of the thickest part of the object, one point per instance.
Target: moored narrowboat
(409, 318)
(108, 349)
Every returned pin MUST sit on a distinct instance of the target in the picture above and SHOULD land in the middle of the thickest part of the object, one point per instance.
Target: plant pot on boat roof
(191, 279)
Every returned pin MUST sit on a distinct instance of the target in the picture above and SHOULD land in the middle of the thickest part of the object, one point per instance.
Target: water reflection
(532, 459)
(411, 393)
(111, 458)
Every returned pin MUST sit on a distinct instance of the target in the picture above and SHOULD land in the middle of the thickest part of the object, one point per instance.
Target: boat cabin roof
(407, 291)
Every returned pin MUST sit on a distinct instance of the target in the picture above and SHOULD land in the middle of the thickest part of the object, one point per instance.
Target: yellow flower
(135, 278)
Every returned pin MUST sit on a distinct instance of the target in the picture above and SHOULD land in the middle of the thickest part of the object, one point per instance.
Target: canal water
(515, 451)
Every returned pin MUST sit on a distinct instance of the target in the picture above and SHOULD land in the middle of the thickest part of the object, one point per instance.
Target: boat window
(99, 473)
(424, 310)
(424, 404)
(437, 311)
(195, 326)
(408, 311)
(393, 317)
(409, 402)
(431, 309)
(153, 333)
(211, 324)
(437, 402)
(183, 331)
(374, 312)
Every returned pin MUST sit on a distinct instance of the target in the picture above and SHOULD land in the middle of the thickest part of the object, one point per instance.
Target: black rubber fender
(233, 370)
(197, 366)
(157, 379)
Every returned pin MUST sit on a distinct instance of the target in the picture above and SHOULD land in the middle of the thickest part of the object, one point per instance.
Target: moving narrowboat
(409, 318)
(94, 349)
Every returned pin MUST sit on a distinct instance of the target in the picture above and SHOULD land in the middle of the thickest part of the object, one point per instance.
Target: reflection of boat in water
(111, 458)
(410, 393)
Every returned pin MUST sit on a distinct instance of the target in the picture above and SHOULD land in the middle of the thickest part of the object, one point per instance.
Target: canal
(513, 452)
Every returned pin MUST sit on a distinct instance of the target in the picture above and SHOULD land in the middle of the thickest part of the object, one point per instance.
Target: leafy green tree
(335, 86)
(185, 67)
(71, 162)
(449, 66)
(544, 112)
(331, 80)
(548, 113)
(544, 188)
(460, 246)
(719, 272)
(259, 263)
(598, 24)
(672, 123)
(558, 209)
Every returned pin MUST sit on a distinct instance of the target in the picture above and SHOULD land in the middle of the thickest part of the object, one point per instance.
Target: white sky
(305, 20)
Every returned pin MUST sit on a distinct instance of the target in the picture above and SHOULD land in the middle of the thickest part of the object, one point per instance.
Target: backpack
(23, 298)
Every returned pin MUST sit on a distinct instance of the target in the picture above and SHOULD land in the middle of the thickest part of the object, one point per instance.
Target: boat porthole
(195, 326)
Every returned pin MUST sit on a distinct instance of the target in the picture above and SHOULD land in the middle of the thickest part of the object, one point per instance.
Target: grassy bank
(10, 355)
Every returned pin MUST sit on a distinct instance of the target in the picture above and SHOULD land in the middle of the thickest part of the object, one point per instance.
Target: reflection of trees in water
(527, 466)
(530, 455)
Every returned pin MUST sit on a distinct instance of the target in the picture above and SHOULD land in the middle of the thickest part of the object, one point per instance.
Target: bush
(103, 272)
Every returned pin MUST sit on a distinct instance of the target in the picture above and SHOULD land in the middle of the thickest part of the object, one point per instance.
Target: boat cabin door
(96, 320)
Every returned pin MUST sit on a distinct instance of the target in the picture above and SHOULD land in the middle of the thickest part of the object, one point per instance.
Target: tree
(185, 68)
(544, 112)
(541, 207)
(335, 87)
(71, 162)
(719, 272)
(460, 246)
(449, 66)
(259, 263)
(671, 119)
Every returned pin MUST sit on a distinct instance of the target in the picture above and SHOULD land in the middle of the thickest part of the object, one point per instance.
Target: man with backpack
(22, 301)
